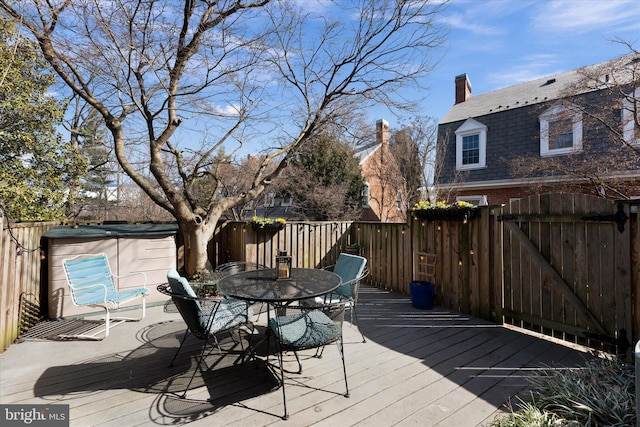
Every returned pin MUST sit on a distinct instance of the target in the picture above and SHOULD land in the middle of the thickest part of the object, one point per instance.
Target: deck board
(418, 367)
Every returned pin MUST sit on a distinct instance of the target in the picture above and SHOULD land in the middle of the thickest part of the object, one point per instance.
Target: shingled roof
(533, 92)
(362, 152)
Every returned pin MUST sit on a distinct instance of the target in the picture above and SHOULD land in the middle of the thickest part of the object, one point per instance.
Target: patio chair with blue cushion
(352, 269)
(206, 317)
(297, 328)
(234, 267)
(93, 284)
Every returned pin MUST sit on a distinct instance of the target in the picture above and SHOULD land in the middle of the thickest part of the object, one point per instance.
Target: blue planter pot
(422, 294)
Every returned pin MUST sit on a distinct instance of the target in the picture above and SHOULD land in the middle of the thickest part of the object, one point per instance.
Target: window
(560, 131)
(630, 129)
(563, 131)
(365, 195)
(399, 200)
(287, 201)
(471, 149)
(471, 145)
(270, 200)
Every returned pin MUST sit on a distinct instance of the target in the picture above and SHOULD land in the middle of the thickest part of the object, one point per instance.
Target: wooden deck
(426, 368)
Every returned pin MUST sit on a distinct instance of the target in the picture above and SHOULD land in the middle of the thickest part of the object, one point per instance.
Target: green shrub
(602, 393)
(529, 415)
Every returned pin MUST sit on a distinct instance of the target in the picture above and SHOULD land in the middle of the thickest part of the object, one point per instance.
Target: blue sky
(499, 43)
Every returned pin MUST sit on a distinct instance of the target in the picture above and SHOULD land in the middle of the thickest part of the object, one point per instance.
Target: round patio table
(263, 286)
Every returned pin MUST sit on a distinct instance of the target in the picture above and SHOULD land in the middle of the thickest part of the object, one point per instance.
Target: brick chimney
(382, 131)
(463, 88)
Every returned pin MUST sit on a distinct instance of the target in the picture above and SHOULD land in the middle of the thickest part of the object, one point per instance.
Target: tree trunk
(196, 240)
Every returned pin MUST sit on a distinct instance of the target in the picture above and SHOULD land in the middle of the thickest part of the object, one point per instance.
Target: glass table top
(262, 285)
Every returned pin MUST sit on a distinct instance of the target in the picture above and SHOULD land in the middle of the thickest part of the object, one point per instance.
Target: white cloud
(315, 6)
(461, 22)
(513, 76)
(578, 16)
(483, 18)
(228, 110)
(528, 68)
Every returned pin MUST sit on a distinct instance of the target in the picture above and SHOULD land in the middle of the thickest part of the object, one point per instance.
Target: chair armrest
(329, 267)
(99, 288)
(144, 277)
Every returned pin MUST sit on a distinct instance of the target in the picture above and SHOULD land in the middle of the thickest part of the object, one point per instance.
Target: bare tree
(385, 183)
(414, 150)
(133, 204)
(445, 192)
(163, 74)
(618, 84)
(324, 180)
(236, 178)
(608, 162)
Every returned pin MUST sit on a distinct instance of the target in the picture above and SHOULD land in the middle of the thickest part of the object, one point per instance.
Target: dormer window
(630, 128)
(560, 131)
(471, 145)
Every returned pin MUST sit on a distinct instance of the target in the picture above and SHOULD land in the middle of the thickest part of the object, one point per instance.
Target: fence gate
(567, 269)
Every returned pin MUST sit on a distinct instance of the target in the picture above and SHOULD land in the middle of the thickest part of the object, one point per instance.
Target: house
(382, 198)
(579, 118)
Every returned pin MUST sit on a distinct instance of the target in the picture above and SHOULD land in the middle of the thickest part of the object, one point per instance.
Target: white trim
(400, 200)
(366, 195)
(371, 148)
(628, 124)
(469, 128)
(507, 183)
(556, 113)
(479, 200)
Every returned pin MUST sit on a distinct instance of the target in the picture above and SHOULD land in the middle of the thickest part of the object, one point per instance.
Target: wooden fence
(310, 244)
(571, 269)
(554, 264)
(463, 251)
(21, 274)
(509, 264)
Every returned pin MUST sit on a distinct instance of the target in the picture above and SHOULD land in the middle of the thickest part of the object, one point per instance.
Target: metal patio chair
(206, 317)
(93, 284)
(296, 328)
(352, 269)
